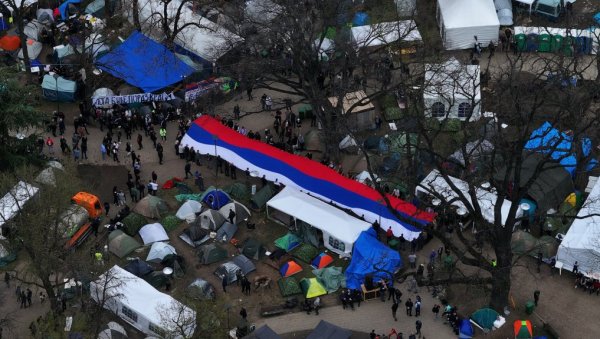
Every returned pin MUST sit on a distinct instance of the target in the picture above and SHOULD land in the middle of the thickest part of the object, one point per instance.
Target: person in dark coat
(224, 284)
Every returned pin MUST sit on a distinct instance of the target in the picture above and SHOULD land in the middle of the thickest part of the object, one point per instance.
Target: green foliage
(17, 114)
(170, 222)
(133, 222)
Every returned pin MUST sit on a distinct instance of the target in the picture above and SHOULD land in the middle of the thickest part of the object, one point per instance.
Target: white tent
(188, 210)
(153, 233)
(385, 33)
(451, 90)
(34, 48)
(582, 241)
(141, 305)
(209, 41)
(365, 176)
(241, 212)
(15, 200)
(159, 251)
(347, 142)
(340, 230)
(505, 12)
(436, 186)
(261, 11)
(113, 331)
(48, 175)
(461, 20)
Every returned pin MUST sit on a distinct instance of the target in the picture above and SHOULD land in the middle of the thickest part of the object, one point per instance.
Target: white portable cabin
(452, 91)
(582, 241)
(436, 186)
(142, 306)
(340, 230)
(461, 20)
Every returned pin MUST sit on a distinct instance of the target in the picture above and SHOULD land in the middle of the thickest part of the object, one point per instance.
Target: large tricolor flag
(208, 135)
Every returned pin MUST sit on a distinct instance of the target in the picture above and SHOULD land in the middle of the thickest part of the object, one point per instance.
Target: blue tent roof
(368, 254)
(465, 329)
(64, 6)
(216, 199)
(144, 63)
(547, 139)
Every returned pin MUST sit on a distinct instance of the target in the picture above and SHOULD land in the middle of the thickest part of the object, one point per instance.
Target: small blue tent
(144, 63)
(547, 139)
(216, 199)
(64, 8)
(465, 330)
(371, 257)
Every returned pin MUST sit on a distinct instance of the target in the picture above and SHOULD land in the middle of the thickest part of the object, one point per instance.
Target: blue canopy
(65, 6)
(371, 257)
(547, 139)
(216, 199)
(144, 63)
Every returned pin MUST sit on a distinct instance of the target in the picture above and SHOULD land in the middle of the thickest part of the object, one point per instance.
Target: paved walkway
(372, 315)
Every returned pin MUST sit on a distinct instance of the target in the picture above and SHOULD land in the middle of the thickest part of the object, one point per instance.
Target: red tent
(171, 183)
(10, 43)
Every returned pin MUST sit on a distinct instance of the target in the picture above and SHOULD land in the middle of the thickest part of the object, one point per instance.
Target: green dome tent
(332, 278)
(211, 253)
(288, 242)
(151, 207)
(259, 200)
(484, 318)
(120, 244)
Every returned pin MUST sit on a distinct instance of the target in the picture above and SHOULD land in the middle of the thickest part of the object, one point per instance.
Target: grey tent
(259, 200)
(211, 253)
(326, 330)
(200, 289)
(241, 211)
(230, 268)
(151, 207)
(32, 29)
(44, 16)
(113, 331)
(264, 332)
(473, 150)
(120, 244)
(253, 249)
(210, 220)
(194, 235)
(138, 267)
(95, 8)
(34, 48)
(58, 89)
(226, 232)
(552, 184)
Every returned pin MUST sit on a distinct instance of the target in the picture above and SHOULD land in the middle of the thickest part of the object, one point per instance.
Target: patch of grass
(170, 222)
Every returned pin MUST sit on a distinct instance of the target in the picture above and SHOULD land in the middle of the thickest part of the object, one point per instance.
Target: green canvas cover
(485, 318)
(288, 242)
(305, 253)
(332, 278)
(151, 207)
(237, 190)
(398, 143)
(133, 222)
(211, 253)
(289, 286)
(170, 222)
(312, 288)
(120, 244)
(259, 200)
(253, 249)
(185, 197)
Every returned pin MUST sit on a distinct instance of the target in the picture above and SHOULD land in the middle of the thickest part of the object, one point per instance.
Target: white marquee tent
(188, 210)
(201, 36)
(159, 251)
(385, 33)
(141, 305)
(582, 241)
(461, 20)
(14, 200)
(436, 186)
(451, 90)
(339, 228)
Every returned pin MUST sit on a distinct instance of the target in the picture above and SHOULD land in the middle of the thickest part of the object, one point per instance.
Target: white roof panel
(385, 33)
(468, 13)
(15, 199)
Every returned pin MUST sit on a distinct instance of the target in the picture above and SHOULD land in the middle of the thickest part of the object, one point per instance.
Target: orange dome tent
(523, 329)
(10, 43)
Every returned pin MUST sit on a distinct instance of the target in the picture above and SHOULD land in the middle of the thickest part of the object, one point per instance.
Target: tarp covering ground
(371, 257)
(207, 133)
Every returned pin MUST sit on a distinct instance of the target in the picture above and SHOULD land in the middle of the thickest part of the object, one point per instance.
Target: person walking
(409, 306)
(576, 268)
(50, 144)
(7, 279)
(188, 169)
(418, 326)
(163, 133)
(29, 295)
(23, 299)
(317, 305)
(412, 259)
(389, 234)
(18, 293)
(536, 297)
(231, 215)
(139, 142)
(224, 283)
(42, 298)
(394, 310)
(391, 294)
(436, 311)
(418, 307)
(243, 313)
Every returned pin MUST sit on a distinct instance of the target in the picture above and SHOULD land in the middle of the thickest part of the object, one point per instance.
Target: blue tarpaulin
(465, 329)
(371, 257)
(144, 63)
(65, 6)
(547, 139)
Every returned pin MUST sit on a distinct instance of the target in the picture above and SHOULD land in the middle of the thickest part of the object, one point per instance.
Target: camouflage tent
(289, 286)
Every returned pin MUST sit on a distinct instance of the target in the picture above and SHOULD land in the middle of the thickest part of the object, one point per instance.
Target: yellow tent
(312, 288)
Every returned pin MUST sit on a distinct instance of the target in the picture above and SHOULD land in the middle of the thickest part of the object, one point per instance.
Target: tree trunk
(52, 297)
(21, 27)
(501, 275)
(136, 16)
